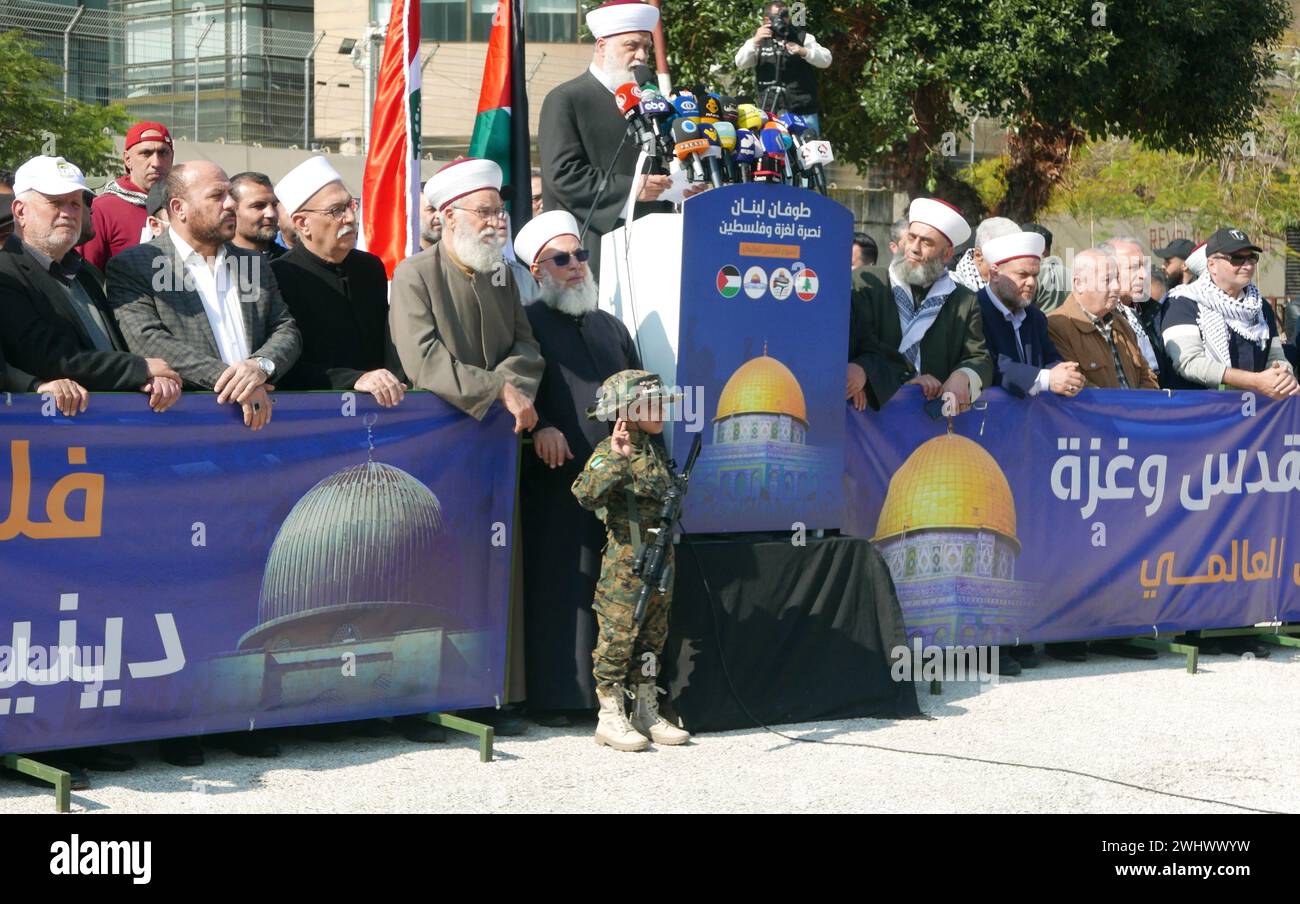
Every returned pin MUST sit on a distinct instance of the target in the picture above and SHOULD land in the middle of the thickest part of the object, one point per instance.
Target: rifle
(651, 564)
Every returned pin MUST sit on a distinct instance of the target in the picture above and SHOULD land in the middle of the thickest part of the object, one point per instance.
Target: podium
(742, 302)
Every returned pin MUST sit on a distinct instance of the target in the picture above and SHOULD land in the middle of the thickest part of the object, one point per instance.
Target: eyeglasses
(562, 259)
(337, 212)
(485, 213)
(1238, 260)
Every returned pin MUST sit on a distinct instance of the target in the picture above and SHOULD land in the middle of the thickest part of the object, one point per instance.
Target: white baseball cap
(49, 176)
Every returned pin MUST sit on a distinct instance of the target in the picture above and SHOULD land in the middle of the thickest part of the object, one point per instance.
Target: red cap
(148, 131)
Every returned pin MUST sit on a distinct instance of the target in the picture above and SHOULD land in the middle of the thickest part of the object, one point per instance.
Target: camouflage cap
(620, 395)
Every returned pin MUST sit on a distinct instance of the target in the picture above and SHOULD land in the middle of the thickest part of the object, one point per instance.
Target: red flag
(390, 192)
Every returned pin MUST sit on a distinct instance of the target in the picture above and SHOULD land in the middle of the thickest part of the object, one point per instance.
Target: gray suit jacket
(161, 319)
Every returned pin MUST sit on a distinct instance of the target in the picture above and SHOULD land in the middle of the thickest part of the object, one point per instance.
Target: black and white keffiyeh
(966, 273)
(1217, 313)
(139, 199)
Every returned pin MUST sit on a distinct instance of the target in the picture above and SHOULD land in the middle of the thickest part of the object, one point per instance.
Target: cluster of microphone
(720, 140)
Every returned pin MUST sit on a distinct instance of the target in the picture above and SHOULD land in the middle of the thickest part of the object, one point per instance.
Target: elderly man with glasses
(454, 314)
(1219, 332)
(337, 294)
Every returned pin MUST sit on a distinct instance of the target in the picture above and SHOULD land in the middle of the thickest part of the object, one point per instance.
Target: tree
(908, 76)
(37, 120)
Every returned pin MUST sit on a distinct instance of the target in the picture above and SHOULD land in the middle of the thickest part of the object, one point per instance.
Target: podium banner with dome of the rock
(178, 574)
(763, 340)
(1116, 513)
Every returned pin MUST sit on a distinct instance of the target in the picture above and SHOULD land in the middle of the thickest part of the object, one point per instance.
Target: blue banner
(177, 574)
(1112, 514)
(764, 301)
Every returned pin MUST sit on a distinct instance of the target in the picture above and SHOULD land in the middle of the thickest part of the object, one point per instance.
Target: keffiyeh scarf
(966, 273)
(1217, 313)
(139, 199)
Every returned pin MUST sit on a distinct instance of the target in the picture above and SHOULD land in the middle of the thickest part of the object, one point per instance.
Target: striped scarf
(916, 319)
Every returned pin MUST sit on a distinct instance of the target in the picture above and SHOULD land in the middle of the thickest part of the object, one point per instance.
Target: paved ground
(1228, 735)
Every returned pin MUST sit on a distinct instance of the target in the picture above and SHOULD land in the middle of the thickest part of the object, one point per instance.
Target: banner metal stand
(484, 733)
(61, 780)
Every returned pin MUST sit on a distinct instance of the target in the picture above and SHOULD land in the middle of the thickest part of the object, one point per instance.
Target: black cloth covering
(342, 311)
(805, 632)
(563, 541)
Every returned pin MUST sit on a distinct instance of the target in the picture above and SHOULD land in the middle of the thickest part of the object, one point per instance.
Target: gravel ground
(1228, 735)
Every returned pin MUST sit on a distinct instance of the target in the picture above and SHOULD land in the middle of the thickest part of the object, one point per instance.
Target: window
(149, 40)
(551, 21)
(546, 21)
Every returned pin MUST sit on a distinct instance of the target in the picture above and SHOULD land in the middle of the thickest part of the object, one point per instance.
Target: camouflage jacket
(602, 486)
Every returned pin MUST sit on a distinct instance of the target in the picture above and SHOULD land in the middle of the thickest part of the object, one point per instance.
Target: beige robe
(458, 335)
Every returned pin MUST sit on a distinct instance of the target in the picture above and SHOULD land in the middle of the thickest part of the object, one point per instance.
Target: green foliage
(1186, 75)
(37, 121)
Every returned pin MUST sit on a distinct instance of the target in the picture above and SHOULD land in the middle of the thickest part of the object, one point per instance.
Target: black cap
(157, 198)
(1043, 231)
(1177, 248)
(1230, 241)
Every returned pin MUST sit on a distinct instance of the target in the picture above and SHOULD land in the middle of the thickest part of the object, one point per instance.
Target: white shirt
(818, 56)
(220, 296)
(603, 77)
(1044, 381)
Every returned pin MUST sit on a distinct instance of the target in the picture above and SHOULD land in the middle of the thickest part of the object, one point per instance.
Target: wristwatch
(267, 365)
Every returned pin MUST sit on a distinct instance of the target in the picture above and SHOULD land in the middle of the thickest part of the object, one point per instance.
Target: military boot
(646, 718)
(612, 727)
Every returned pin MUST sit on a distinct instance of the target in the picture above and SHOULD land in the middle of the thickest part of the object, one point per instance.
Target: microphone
(628, 98)
(659, 113)
(712, 155)
(727, 138)
(711, 107)
(688, 145)
(749, 116)
(747, 153)
(815, 153)
(686, 105)
(774, 147)
(730, 110)
(779, 133)
(643, 75)
(795, 124)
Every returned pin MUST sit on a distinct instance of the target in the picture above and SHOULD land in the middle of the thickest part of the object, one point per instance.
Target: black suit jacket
(578, 132)
(43, 336)
(161, 318)
(1011, 371)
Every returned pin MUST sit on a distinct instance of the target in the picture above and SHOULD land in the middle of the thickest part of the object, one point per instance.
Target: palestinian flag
(390, 192)
(501, 126)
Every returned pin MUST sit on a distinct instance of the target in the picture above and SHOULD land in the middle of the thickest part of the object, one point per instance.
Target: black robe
(579, 130)
(342, 311)
(564, 541)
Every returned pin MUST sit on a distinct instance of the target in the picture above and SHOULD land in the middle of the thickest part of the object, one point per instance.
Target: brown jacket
(1077, 338)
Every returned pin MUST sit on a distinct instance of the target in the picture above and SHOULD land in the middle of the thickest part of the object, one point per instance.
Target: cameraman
(785, 56)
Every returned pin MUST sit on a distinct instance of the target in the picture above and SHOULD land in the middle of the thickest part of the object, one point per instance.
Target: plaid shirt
(1105, 326)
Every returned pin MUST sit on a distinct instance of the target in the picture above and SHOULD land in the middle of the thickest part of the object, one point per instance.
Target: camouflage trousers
(620, 653)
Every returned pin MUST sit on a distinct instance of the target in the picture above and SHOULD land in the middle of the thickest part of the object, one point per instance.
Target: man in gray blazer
(208, 307)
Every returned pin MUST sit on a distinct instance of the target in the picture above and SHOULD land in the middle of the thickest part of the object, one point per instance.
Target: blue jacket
(1010, 371)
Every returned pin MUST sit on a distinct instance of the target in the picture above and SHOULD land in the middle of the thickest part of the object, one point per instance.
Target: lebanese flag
(391, 189)
(501, 124)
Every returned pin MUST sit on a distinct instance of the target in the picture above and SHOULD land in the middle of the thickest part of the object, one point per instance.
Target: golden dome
(762, 385)
(948, 482)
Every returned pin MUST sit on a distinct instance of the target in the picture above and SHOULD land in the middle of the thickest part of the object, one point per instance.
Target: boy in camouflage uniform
(624, 483)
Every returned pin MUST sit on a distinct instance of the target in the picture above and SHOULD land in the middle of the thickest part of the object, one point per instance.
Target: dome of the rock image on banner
(363, 541)
(356, 601)
(757, 456)
(948, 533)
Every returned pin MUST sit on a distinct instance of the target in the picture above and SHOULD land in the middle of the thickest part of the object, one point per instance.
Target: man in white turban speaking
(923, 328)
(457, 325)
(580, 128)
(562, 553)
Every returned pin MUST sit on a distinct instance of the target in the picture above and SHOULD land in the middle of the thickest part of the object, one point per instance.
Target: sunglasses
(562, 259)
(1239, 260)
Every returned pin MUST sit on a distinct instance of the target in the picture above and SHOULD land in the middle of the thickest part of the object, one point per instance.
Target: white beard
(617, 75)
(471, 249)
(575, 301)
(921, 275)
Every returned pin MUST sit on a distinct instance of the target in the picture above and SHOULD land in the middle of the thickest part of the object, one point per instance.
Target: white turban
(460, 178)
(942, 216)
(303, 181)
(540, 230)
(1006, 248)
(622, 16)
